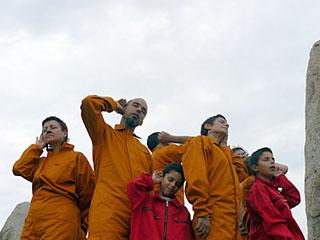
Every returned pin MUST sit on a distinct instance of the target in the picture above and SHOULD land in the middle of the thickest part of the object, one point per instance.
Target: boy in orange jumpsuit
(118, 157)
(213, 174)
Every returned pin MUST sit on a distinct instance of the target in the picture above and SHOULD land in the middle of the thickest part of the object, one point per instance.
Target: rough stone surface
(13, 226)
(312, 145)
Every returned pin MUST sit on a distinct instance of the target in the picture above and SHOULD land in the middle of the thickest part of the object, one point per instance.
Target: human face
(266, 167)
(52, 133)
(170, 184)
(135, 111)
(219, 125)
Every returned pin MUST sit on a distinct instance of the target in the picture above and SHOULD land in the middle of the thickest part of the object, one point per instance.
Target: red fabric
(270, 212)
(161, 156)
(148, 213)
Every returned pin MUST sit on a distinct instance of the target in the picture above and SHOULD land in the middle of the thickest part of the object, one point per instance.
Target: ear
(161, 176)
(254, 168)
(207, 126)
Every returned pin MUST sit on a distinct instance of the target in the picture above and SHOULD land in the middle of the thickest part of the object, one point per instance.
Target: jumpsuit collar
(64, 146)
(121, 128)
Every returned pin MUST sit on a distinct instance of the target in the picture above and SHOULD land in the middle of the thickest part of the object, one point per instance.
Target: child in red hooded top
(268, 206)
(159, 216)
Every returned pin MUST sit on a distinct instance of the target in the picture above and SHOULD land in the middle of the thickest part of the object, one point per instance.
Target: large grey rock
(13, 226)
(312, 145)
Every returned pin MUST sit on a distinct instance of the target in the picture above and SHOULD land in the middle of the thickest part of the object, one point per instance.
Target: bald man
(118, 157)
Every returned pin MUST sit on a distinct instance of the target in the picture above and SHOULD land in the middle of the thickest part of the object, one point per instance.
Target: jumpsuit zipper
(166, 222)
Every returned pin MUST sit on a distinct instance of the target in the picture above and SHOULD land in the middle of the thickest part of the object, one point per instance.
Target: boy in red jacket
(268, 206)
(160, 216)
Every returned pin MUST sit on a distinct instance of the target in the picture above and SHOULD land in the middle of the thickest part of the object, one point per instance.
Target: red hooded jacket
(270, 210)
(154, 218)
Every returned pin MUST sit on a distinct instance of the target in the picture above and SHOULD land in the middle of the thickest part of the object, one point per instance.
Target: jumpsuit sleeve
(85, 184)
(138, 189)
(289, 191)
(274, 224)
(91, 113)
(240, 167)
(171, 153)
(245, 189)
(28, 163)
(194, 163)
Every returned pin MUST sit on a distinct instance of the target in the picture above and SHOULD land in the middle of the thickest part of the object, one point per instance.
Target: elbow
(15, 171)
(85, 102)
(295, 203)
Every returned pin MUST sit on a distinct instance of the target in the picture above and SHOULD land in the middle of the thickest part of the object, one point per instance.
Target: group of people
(132, 194)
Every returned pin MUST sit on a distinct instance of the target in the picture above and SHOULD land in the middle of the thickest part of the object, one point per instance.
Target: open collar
(121, 128)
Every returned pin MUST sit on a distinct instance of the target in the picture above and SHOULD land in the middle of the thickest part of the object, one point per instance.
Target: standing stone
(312, 145)
(13, 226)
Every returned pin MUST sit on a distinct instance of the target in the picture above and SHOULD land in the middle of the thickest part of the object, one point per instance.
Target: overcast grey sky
(189, 59)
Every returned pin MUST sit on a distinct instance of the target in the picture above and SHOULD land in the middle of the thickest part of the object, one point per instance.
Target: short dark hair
(247, 163)
(173, 166)
(153, 140)
(61, 123)
(254, 160)
(237, 149)
(210, 121)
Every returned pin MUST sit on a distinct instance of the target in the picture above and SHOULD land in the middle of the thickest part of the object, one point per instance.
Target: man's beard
(132, 122)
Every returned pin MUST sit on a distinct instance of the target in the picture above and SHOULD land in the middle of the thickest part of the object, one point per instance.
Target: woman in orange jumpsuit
(62, 186)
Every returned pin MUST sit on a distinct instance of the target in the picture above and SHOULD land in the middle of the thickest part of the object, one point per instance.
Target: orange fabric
(118, 157)
(244, 237)
(161, 156)
(213, 186)
(62, 186)
(245, 188)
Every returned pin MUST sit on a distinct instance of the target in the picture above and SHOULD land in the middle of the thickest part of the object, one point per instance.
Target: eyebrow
(140, 105)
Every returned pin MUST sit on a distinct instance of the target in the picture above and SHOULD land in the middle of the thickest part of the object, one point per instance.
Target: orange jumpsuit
(161, 156)
(62, 186)
(245, 188)
(213, 174)
(118, 157)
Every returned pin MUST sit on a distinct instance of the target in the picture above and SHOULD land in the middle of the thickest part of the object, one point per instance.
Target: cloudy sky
(189, 59)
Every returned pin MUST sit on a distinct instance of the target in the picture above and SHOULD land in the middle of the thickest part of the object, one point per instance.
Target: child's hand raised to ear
(157, 176)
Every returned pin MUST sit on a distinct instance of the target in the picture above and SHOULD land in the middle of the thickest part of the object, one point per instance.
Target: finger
(204, 234)
(207, 231)
(123, 101)
(41, 137)
(202, 229)
(160, 135)
(199, 227)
